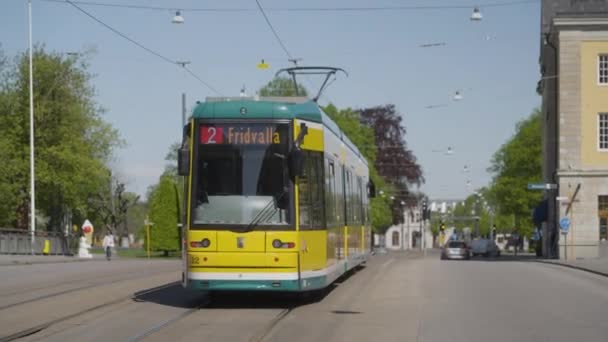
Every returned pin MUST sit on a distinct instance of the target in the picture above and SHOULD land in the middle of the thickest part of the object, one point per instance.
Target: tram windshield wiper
(266, 212)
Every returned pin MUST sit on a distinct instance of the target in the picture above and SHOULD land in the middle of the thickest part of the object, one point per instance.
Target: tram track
(260, 335)
(167, 322)
(223, 317)
(43, 326)
(87, 286)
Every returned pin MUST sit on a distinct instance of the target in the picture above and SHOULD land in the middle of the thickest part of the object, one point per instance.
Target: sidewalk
(20, 259)
(597, 266)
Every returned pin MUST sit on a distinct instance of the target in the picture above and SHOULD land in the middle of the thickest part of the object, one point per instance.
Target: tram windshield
(241, 175)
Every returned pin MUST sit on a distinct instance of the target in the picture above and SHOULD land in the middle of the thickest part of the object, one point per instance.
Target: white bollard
(83, 249)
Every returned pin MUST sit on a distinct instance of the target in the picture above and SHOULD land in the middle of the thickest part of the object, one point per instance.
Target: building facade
(574, 85)
(413, 233)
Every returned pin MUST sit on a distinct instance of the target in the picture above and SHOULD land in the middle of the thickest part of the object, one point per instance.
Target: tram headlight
(276, 243)
(204, 243)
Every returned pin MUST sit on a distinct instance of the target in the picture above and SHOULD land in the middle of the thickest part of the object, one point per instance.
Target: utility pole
(402, 222)
(32, 168)
(182, 225)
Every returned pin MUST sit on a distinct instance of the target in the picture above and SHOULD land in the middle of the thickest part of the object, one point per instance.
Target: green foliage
(517, 163)
(73, 143)
(363, 138)
(282, 86)
(136, 215)
(165, 235)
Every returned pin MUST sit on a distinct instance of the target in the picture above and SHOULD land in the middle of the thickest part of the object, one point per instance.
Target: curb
(580, 268)
(24, 263)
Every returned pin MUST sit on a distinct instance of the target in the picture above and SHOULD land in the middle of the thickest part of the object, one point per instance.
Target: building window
(395, 239)
(602, 69)
(602, 131)
(602, 211)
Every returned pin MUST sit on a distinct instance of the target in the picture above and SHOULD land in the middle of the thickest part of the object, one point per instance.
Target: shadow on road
(506, 258)
(173, 294)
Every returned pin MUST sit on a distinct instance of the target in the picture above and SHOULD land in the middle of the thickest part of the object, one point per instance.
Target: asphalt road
(397, 297)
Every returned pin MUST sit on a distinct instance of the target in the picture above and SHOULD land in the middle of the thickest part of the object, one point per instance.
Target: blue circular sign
(564, 224)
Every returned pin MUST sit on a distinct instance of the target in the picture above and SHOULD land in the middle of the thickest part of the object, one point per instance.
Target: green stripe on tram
(311, 283)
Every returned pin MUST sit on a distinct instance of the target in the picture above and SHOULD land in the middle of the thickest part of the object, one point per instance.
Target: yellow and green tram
(278, 196)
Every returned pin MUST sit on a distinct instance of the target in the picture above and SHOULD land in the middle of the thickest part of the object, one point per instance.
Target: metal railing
(18, 241)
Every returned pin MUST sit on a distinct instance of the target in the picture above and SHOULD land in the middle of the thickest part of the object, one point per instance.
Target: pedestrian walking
(108, 244)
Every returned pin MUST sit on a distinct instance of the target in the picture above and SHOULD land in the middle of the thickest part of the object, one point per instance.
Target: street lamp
(476, 16)
(148, 224)
(457, 96)
(448, 151)
(402, 222)
(32, 165)
(178, 19)
(422, 224)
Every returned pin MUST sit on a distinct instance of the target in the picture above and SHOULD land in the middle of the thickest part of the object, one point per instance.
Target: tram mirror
(186, 132)
(296, 162)
(183, 161)
(371, 189)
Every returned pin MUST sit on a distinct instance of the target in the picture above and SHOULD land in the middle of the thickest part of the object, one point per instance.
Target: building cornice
(596, 21)
(582, 173)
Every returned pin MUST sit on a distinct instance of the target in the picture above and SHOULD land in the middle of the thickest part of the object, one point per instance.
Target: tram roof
(262, 108)
(269, 108)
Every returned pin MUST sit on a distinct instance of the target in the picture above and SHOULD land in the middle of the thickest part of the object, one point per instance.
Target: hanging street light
(476, 16)
(178, 19)
(457, 96)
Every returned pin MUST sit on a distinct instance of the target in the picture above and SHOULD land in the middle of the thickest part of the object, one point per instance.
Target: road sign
(564, 225)
(541, 186)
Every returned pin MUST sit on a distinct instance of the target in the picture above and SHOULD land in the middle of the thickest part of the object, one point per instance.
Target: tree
(394, 161)
(165, 235)
(73, 142)
(282, 86)
(517, 163)
(363, 138)
(136, 217)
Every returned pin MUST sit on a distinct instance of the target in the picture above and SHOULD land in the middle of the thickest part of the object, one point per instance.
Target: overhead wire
(276, 35)
(282, 44)
(138, 44)
(309, 9)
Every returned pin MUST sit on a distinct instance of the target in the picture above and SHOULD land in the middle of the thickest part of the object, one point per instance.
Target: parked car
(485, 247)
(455, 250)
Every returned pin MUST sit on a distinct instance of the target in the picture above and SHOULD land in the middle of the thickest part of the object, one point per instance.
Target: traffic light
(442, 226)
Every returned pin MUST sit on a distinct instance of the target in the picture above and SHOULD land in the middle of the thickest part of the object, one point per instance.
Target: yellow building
(574, 84)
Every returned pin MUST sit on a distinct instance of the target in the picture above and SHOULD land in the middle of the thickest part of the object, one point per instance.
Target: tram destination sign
(239, 134)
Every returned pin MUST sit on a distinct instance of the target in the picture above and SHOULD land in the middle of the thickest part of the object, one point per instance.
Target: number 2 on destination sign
(212, 135)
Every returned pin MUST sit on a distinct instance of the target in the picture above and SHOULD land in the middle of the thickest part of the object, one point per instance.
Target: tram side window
(354, 214)
(330, 189)
(360, 201)
(350, 214)
(310, 188)
(316, 189)
(340, 210)
(304, 196)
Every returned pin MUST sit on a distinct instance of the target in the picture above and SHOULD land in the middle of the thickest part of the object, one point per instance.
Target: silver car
(455, 250)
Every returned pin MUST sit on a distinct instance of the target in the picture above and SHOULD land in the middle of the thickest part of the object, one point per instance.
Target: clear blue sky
(494, 61)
